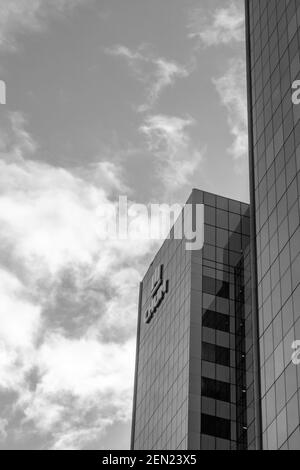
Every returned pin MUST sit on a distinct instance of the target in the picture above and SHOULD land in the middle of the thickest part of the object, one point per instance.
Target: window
(215, 389)
(216, 354)
(215, 287)
(222, 238)
(213, 426)
(222, 289)
(215, 320)
(209, 285)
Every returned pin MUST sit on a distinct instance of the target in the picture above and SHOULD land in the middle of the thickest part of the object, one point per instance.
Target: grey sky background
(104, 98)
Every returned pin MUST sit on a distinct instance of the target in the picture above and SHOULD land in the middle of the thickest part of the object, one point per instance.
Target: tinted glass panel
(217, 354)
(215, 287)
(213, 426)
(215, 389)
(215, 320)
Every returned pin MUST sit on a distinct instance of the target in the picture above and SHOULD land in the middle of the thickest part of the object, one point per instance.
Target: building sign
(159, 288)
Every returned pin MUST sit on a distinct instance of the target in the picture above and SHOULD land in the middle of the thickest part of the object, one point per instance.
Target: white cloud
(19, 326)
(165, 75)
(78, 438)
(2, 92)
(15, 310)
(68, 297)
(232, 91)
(17, 16)
(124, 51)
(224, 25)
(40, 208)
(170, 143)
(87, 364)
(3, 433)
(157, 72)
(166, 131)
(84, 387)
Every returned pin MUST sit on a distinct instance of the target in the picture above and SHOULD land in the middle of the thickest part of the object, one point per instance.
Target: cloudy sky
(104, 98)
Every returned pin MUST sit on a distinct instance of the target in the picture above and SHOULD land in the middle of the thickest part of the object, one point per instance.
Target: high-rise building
(194, 386)
(273, 64)
(214, 365)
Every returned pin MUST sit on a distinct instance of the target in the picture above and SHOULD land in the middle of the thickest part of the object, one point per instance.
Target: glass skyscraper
(194, 366)
(273, 64)
(214, 365)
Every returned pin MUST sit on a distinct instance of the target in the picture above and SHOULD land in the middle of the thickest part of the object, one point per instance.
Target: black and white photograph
(149, 228)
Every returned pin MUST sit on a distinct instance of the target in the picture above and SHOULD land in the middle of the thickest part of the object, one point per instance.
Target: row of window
(221, 256)
(216, 354)
(215, 320)
(215, 389)
(214, 426)
(227, 220)
(230, 205)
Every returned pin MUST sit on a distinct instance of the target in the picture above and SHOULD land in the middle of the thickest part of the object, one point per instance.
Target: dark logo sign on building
(159, 288)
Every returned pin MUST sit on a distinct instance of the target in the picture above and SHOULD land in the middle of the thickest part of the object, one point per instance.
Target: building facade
(273, 64)
(194, 383)
(214, 365)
